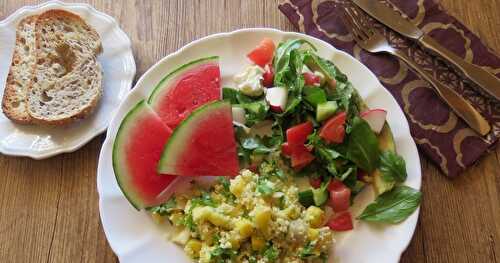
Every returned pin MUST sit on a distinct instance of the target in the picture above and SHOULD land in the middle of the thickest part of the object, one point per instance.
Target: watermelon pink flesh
(185, 89)
(136, 151)
(204, 144)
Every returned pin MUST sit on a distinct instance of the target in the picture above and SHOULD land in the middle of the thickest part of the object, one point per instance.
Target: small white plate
(134, 237)
(119, 70)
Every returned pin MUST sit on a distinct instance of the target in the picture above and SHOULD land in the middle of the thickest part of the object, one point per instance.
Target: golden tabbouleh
(251, 218)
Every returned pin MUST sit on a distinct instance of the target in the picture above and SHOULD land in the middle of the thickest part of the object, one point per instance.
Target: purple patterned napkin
(438, 132)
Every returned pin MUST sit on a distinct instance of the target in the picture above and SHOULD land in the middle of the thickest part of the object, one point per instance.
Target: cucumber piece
(325, 110)
(320, 196)
(306, 198)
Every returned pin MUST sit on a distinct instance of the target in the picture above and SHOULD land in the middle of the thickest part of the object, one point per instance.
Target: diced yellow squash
(258, 243)
(176, 218)
(181, 237)
(219, 220)
(262, 217)
(237, 186)
(157, 218)
(205, 254)
(192, 248)
(235, 241)
(201, 213)
(312, 234)
(244, 227)
(315, 216)
(292, 212)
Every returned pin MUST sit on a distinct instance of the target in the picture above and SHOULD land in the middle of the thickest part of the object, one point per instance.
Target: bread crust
(13, 101)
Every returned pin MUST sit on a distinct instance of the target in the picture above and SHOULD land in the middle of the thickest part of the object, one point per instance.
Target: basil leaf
(315, 95)
(393, 167)
(362, 145)
(393, 207)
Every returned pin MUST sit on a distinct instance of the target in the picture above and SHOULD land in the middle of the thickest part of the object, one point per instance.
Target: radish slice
(277, 98)
(375, 118)
(238, 115)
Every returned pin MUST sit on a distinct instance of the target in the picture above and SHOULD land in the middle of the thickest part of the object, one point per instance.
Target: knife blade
(387, 16)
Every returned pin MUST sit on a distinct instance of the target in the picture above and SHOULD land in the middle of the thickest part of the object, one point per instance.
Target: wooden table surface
(49, 208)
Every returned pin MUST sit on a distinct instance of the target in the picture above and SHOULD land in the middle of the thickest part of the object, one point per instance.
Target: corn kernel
(258, 243)
(192, 248)
(315, 216)
(312, 234)
(244, 227)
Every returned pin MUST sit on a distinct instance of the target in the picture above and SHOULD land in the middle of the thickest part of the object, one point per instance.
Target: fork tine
(353, 27)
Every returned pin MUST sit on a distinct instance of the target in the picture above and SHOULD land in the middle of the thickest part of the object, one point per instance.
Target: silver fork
(372, 41)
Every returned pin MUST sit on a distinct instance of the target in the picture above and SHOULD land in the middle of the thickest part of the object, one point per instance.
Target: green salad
(305, 140)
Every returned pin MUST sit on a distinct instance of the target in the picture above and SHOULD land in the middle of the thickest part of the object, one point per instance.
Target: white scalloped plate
(119, 70)
(134, 237)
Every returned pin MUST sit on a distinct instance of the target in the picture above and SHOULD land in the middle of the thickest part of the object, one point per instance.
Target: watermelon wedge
(203, 144)
(137, 148)
(185, 89)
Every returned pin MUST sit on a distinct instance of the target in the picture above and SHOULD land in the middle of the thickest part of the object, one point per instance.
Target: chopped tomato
(335, 185)
(268, 76)
(341, 222)
(315, 182)
(340, 199)
(301, 158)
(311, 79)
(263, 53)
(286, 149)
(333, 131)
(297, 134)
(340, 196)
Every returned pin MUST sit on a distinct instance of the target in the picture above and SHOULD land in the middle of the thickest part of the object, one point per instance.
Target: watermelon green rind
(118, 166)
(165, 81)
(139, 193)
(183, 132)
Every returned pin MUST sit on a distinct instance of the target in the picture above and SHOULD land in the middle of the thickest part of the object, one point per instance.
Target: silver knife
(487, 81)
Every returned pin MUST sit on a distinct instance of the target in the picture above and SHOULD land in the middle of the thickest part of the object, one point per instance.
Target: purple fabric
(438, 132)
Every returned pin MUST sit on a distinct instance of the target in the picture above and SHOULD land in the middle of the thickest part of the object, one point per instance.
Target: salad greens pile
(352, 161)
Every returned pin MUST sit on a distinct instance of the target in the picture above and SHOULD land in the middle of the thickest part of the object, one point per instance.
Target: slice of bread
(20, 73)
(67, 79)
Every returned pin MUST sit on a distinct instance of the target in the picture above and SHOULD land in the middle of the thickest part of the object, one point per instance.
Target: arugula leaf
(394, 206)
(362, 145)
(163, 209)
(281, 61)
(393, 167)
(230, 94)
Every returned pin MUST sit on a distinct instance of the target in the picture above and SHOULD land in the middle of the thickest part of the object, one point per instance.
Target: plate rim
(79, 142)
(108, 140)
